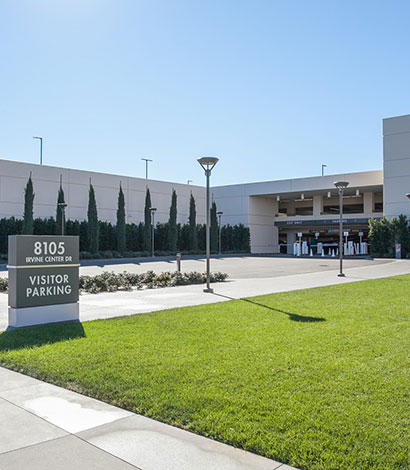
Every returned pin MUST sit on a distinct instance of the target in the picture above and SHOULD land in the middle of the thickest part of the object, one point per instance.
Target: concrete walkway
(106, 305)
(48, 427)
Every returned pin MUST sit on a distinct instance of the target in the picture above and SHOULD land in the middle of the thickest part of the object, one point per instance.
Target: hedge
(234, 238)
(384, 234)
(112, 282)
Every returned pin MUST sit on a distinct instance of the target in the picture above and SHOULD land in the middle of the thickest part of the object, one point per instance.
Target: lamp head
(208, 163)
(341, 184)
(408, 195)
(152, 209)
(219, 213)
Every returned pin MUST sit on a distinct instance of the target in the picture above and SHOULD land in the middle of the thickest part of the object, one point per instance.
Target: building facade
(278, 213)
(76, 183)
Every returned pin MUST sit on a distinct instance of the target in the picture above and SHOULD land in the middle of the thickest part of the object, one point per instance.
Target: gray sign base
(28, 316)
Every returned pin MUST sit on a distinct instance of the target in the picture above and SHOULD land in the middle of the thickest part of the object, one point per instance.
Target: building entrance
(324, 242)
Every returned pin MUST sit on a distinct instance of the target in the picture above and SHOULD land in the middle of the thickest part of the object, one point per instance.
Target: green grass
(319, 379)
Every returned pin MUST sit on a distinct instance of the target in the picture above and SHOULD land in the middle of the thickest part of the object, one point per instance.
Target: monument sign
(43, 279)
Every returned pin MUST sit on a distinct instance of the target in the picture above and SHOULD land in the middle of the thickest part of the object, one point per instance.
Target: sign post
(43, 279)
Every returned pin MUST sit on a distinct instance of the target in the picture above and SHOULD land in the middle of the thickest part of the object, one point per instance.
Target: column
(291, 239)
(317, 205)
(368, 202)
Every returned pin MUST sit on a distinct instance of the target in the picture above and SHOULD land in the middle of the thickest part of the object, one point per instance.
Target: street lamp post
(153, 209)
(62, 206)
(41, 148)
(207, 164)
(219, 214)
(146, 160)
(341, 186)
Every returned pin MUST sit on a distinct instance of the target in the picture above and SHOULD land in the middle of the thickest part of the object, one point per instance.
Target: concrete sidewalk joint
(45, 426)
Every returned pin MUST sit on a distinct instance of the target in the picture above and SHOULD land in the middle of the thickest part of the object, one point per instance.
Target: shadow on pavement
(292, 316)
(40, 335)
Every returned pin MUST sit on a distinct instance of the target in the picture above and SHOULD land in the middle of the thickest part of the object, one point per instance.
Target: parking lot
(240, 267)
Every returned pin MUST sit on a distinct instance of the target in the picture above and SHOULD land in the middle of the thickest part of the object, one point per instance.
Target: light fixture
(146, 160)
(41, 148)
(341, 186)
(207, 164)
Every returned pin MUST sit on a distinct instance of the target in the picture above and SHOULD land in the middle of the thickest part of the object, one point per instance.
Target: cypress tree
(92, 226)
(28, 208)
(141, 236)
(172, 224)
(193, 234)
(214, 228)
(83, 232)
(147, 221)
(201, 234)
(59, 215)
(121, 230)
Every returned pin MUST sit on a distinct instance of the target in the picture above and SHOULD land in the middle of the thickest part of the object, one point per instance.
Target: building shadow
(292, 316)
(33, 336)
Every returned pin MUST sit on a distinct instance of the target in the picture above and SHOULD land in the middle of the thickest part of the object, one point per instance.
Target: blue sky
(273, 88)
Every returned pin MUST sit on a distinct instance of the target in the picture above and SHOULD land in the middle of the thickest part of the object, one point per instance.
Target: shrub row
(111, 282)
(234, 238)
(384, 234)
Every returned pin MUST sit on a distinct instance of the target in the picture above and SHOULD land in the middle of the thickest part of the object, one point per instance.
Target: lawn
(318, 379)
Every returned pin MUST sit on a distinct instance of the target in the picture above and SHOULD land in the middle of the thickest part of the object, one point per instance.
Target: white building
(76, 183)
(277, 212)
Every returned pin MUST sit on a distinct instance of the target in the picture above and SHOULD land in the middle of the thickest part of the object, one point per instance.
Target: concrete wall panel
(12, 209)
(396, 146)
(396, 125)
(396, 162)
(46, 181)
(396, 190)
(12, 189)
(397, 168)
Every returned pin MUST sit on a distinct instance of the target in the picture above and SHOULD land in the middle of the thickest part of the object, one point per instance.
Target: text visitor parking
(44, 285)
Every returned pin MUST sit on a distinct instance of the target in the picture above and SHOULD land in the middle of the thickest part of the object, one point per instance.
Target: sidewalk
(48, 427)
(107, 305)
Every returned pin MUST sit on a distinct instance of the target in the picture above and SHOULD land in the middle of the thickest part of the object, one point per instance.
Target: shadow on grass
(292, 316)
(39, 335)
